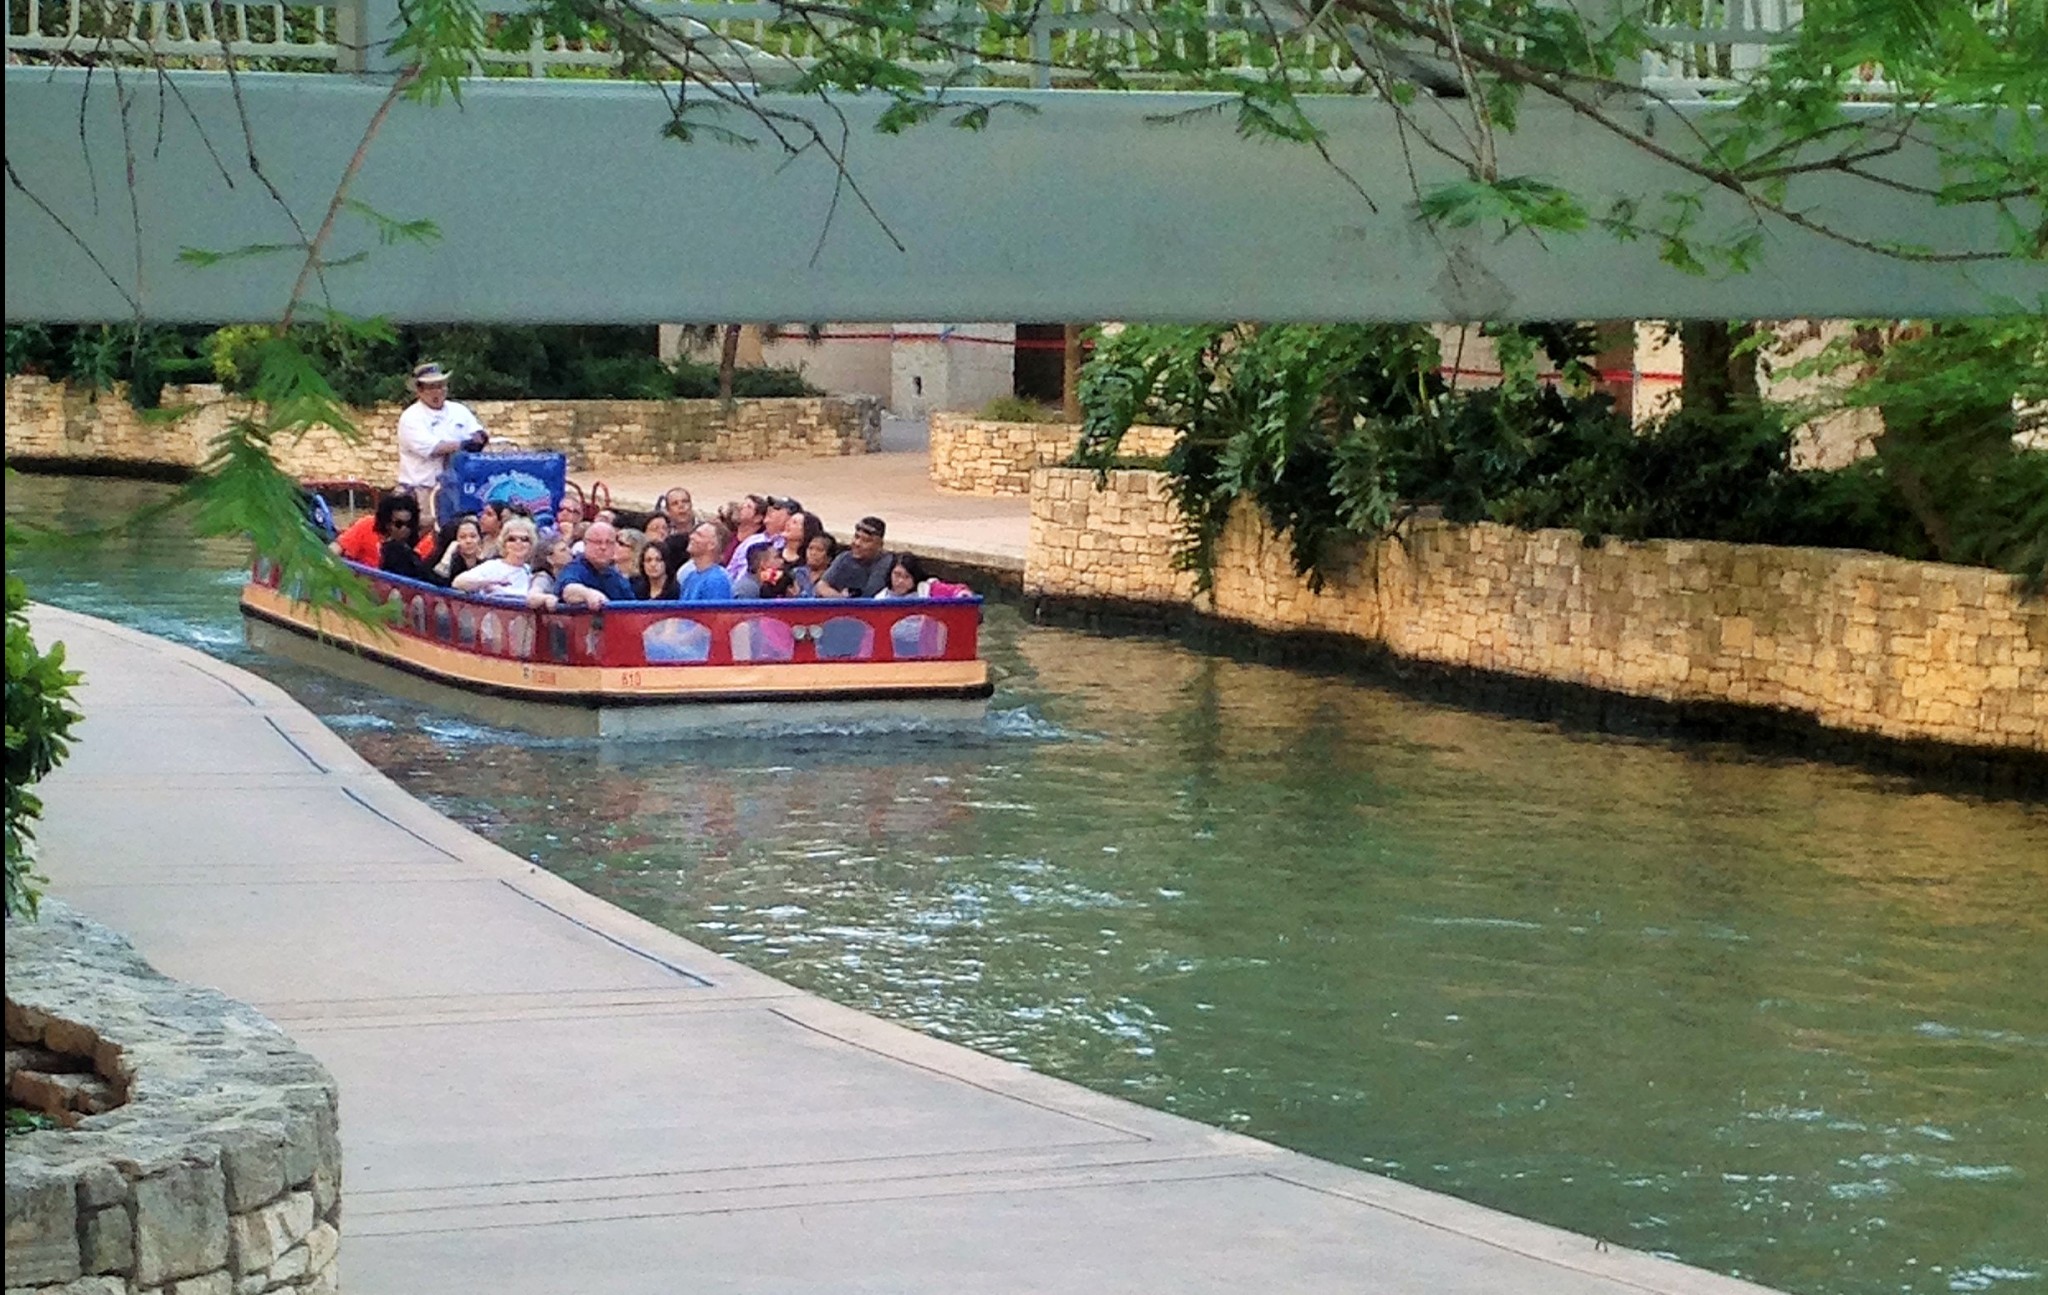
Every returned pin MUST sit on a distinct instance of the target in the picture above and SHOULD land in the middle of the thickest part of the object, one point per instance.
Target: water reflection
(1775, 1018)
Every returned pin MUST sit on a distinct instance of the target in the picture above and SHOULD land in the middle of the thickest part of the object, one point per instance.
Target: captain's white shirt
(420, 429)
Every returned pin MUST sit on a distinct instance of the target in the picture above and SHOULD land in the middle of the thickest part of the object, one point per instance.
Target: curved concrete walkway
(542, 1093)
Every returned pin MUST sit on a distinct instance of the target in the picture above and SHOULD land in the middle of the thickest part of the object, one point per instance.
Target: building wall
(51, 421)
(937, 367)
(1833, 441)
(1859, 642)
(851, 360)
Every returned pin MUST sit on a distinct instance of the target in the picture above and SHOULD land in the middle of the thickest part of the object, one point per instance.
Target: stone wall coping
(225, 1155)
(1861, 563)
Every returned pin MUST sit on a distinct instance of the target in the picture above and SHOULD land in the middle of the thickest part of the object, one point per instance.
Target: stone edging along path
(222, 1164)
(542, 1092)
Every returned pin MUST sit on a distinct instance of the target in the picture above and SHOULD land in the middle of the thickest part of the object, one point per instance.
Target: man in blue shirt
(702, 580)
(594, 579)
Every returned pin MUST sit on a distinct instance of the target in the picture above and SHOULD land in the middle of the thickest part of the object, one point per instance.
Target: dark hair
(813, 528)
(759, 556)
(545, 545)
(909, 562)
(832, 545)
(874, 526)
(444, 538)
(391, 505)
(675, 548)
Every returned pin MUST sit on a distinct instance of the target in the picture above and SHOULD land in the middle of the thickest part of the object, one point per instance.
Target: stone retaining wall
(1907, 650)
(220, 1175)
(47, 420)
(977, 456)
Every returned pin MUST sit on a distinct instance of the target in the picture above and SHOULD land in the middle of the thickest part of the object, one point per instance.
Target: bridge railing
(299, 37)
(1703, 45)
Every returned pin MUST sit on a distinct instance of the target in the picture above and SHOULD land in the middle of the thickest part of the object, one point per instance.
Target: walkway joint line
(608, 937)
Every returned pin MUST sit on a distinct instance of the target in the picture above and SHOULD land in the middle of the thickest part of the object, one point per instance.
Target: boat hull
(596, 699)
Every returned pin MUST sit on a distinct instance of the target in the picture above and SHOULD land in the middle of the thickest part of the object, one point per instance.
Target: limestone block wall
(978, 456)
(1911, 650)
(1113, 543)
(220, 1174)
(50, 420)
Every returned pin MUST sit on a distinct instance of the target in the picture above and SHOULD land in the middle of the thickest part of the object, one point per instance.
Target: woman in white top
(511, 574)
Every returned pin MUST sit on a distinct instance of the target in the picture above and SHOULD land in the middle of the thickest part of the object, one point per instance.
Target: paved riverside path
(544, 1094)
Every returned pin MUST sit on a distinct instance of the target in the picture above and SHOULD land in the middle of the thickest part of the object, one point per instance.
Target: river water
(1780, 1019)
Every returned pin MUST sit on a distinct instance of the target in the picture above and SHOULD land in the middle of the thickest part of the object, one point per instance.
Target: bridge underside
(560, 201)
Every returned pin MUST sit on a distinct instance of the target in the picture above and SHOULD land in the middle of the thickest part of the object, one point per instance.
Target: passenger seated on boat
(508, 575)
(398, 557)
(789, 552)
(464, 551)
(653, 580)
(863, 570)
(680, 511)
(569, 518)
(775, 524)
(655, 529)
(764, 576)
(702, 579)
(747, 526)
(549, 564)
(363, 541)
(819, 551)
(593, 579)
(907, 578)
(491, 520)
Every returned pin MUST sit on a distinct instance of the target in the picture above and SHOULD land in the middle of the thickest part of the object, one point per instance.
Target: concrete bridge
(559, 199)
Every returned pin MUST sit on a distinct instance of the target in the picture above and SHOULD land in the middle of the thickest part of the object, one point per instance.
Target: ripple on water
(1990, 1276)
(357, 721)
(1021, 722)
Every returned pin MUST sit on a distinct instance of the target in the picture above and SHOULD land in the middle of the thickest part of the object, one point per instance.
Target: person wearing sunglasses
(363, 541)
(510, 574)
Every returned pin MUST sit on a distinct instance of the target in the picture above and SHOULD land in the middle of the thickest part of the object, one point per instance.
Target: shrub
(39, 720)
(1016, 409)
(102, 356)
(1338, 433)
(537, 362)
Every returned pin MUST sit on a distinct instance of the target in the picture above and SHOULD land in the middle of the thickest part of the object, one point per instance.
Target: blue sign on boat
(531, 479)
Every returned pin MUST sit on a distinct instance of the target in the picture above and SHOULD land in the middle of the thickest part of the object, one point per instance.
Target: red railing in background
(780, 631)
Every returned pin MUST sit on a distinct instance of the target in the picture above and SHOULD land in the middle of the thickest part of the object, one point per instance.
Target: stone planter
(977, 456)
(219, 1174)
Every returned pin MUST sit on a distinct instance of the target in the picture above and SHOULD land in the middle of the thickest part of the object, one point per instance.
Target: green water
(1779, 1019)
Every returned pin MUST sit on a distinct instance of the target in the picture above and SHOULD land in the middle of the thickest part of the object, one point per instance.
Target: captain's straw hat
(428, 374)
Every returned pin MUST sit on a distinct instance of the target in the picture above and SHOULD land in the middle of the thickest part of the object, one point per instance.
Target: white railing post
(364, 29)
